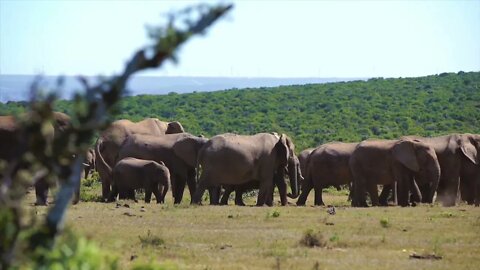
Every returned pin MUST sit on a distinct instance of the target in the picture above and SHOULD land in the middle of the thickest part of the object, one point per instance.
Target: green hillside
(318, 113)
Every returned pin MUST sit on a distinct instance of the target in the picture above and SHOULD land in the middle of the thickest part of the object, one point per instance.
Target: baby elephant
(133, 173)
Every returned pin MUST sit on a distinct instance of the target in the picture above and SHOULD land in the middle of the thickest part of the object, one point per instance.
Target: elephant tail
(102, 166)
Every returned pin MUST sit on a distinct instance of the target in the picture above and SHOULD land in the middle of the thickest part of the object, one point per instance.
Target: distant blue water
(17, 87)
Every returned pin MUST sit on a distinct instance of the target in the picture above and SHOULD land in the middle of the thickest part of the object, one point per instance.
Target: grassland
(230, 237)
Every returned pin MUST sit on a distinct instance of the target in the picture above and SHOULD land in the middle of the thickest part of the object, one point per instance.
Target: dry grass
(231, 237)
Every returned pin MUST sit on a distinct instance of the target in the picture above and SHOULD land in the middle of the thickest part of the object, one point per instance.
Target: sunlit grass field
(231, 237)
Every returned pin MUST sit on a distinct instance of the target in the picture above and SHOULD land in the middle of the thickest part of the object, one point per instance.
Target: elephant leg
(192, 185)
(157, 192)
(383, 198)
(425, 190)
(214, 195)
(203, 183)
(282, 190)
(266, 188)
(372, 190)
(403, 189)
(105, 187)
(477, 191)
(269, 200)
(318, 196)
(239, 196)
(226, 195)
(350, 192)
(306, 188)
(41, 192)
(148, 194)
(113, 194)
(359, 199)
(179, 188)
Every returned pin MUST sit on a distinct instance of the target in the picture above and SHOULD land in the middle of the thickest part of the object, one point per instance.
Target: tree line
(313, 114)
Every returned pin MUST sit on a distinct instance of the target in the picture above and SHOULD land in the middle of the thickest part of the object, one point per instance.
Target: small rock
(126, 205)
(143, 210)
(133, 257)
(329, 223)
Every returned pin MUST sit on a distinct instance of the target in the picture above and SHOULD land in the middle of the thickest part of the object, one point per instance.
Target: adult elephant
(178, 151)
(392, 162)
(231, 159)
(279, 182)
(327, 165)
(14, 142)
(458, 155)
(109, 143)
(133, 173)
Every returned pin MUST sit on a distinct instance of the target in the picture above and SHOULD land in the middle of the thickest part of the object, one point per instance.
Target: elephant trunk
(433, 174)
(293, 175)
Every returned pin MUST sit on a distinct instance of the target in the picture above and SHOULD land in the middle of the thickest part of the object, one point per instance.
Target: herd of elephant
(154, 155)
(412, 169)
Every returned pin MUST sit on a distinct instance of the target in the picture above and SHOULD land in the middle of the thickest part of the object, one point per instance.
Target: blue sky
(258, 39)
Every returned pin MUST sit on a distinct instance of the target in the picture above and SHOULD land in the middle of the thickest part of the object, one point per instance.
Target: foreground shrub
(74, 253)
(313, 239)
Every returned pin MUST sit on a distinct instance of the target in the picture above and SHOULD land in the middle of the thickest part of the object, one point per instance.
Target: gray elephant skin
(302, 159)
(178, 151)
(133, 173)
(459, 162)
(390, 162)
(231, 159)
(110, 140)
(279, 182)
(327, 165)
(13, 144)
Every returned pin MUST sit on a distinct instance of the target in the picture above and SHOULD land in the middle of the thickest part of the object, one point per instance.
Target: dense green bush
(317, 113)
(70, 252)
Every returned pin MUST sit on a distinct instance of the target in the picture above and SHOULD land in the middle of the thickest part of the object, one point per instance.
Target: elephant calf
(133, 173)
(327, 165)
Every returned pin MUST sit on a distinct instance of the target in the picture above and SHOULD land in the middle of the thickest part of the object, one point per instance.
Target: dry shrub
(313, 239)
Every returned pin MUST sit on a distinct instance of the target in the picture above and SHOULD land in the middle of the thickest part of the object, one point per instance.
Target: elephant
(230, 159)
(178, 151)
(89, 164)
(392, 162)
(459, 162)
(13, 144)
(279, 182)
(110, 140)
(327, 165)
(133, 173)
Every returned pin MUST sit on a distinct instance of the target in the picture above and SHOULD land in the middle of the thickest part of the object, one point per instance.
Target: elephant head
(187, 149)
(421, 160)
(288, 161)
(470, 145)
(174, 127)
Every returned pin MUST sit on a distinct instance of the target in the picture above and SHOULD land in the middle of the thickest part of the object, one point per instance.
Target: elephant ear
(187, 149)
(283, 150)
(404, 152)
(174, 127)
(468, 149)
